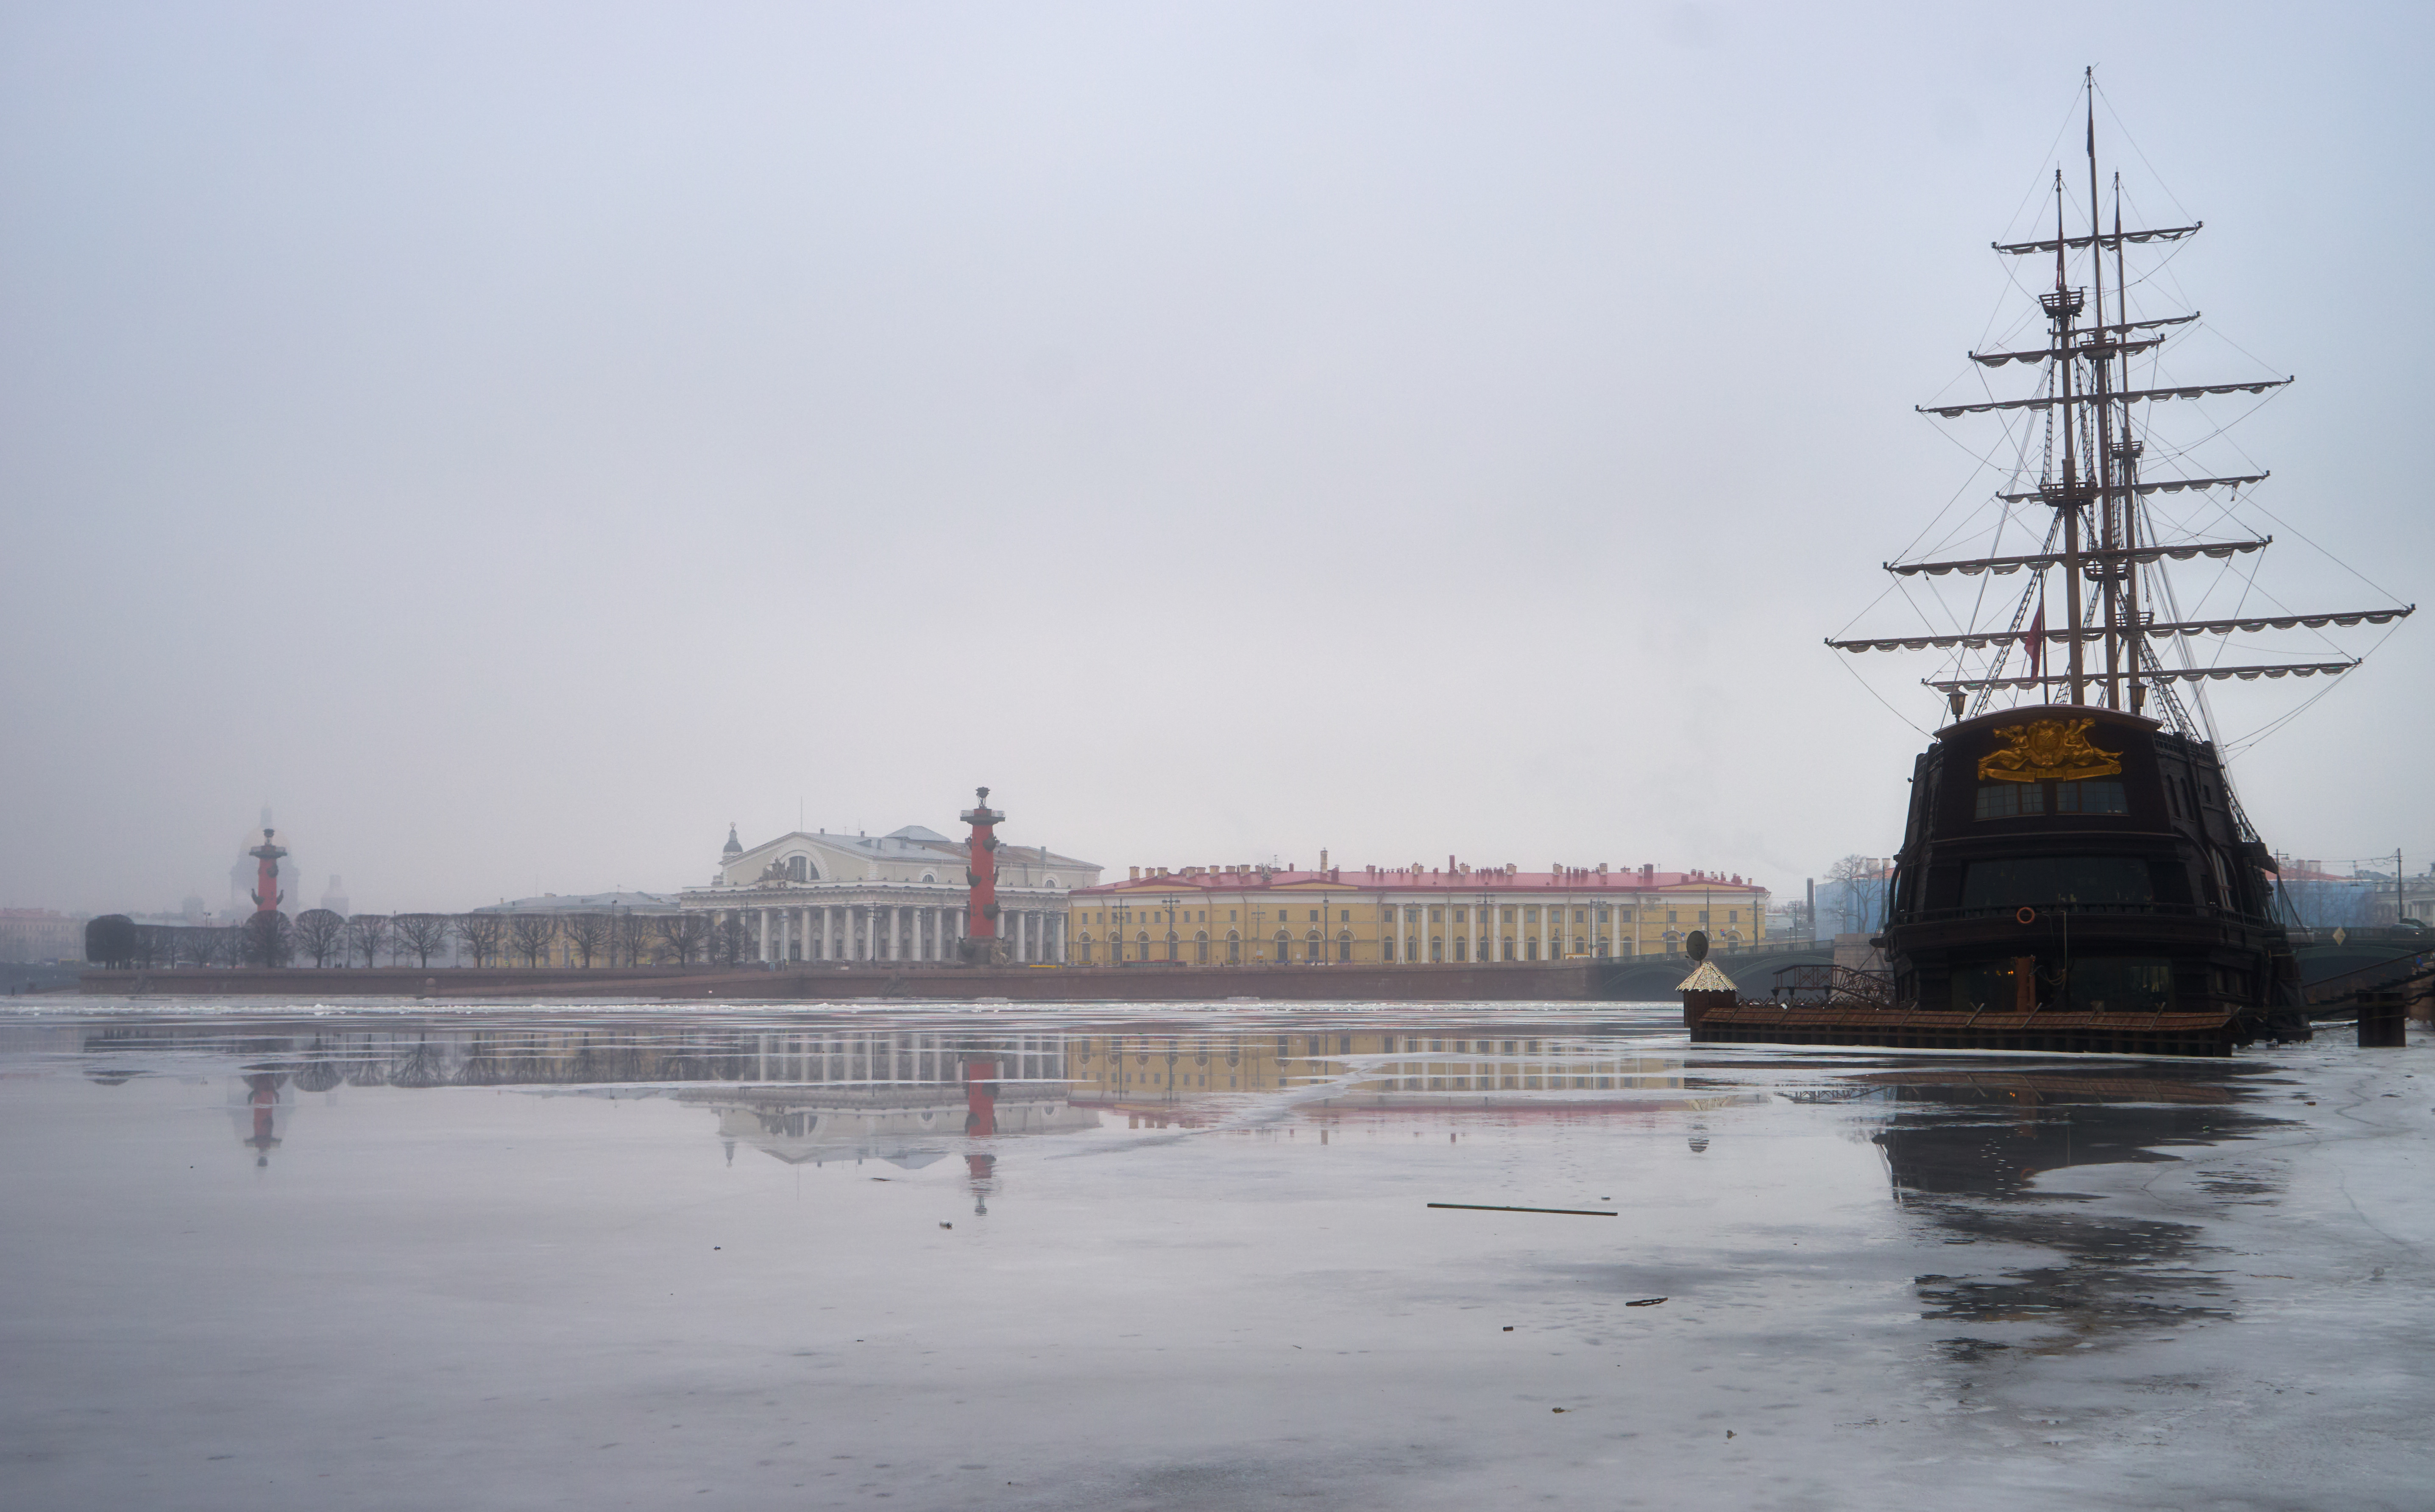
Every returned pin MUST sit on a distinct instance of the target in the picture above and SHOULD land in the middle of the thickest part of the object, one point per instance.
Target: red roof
(1434, 880)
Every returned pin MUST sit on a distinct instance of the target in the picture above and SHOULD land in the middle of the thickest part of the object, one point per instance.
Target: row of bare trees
(319, 938)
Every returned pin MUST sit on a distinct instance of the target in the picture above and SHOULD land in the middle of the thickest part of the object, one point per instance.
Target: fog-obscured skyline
(516, 441)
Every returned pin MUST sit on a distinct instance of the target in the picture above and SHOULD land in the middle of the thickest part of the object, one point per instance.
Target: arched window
(1457, 948)
(930, 876)
(1344, 947)
(1201, 952)
(1050, 882)
(1140, 946)
(1318, 952)
(1508, 944)
(1171, 952)
(1285, 946)
(1437, 947)
(799, 869)
(1233, 948)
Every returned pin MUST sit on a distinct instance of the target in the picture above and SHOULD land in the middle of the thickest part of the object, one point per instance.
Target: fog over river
(265, 1257)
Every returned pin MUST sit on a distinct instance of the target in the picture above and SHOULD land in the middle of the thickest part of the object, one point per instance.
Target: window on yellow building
(1344, 917)
(1673, 916)
(1314, 916)
(1509, 915)
(1703, 916)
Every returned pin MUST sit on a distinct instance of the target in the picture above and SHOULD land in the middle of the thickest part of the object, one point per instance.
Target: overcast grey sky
(515, 441)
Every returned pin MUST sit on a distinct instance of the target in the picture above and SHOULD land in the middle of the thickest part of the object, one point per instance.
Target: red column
(981, 941)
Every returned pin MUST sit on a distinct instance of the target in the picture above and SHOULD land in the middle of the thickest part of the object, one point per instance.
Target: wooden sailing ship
(2075, 873)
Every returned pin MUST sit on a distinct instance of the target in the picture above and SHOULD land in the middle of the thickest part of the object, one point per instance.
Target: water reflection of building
(1387, 1066)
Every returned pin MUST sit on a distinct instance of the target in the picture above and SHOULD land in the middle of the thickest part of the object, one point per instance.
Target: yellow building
(1461, 914)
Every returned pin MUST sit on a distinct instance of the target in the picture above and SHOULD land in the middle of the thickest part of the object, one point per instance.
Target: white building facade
(896, 897)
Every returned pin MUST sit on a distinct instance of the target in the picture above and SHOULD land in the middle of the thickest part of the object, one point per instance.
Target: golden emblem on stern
(2048, 751)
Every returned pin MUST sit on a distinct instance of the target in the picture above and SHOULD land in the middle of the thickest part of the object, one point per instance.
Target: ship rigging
(2103, 544)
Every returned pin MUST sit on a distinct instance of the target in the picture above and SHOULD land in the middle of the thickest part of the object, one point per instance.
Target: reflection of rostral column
(980, 1122)
(261, 1097)
(980, 945)
(265, 876)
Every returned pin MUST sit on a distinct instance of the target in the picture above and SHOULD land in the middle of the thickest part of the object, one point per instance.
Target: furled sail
(2005, 566)
(2157, 486)
(2289, 669)
(2047, 401)
(2090, 634)
(2109, 240)
(1996, 359)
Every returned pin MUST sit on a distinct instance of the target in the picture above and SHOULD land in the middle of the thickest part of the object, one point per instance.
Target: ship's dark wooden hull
(2071, 880)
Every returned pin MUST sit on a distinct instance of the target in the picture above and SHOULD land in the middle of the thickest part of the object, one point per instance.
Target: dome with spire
(734, 847)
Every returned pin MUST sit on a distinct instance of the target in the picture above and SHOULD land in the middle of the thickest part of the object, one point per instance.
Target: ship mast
(2101, 369)
(2101, 467)
(2061, 307)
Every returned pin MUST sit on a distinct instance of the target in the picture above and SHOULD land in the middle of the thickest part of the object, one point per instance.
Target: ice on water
(271, 1258)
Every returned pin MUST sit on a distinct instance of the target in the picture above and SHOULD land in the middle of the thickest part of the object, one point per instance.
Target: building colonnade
(890, 932)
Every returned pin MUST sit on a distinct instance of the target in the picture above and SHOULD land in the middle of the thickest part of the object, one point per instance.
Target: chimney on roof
(1322, 858)
(1136, 874)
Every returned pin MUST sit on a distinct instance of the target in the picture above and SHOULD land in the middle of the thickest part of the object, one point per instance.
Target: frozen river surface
(270, 1259)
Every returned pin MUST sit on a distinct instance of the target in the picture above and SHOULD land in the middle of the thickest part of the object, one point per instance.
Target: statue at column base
(974, 951)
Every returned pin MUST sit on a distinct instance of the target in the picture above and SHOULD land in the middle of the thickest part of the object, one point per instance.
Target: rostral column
(265, 876)
(980, 946)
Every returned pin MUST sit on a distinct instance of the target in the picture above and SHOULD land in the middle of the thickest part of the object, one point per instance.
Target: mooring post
(2383, 1020)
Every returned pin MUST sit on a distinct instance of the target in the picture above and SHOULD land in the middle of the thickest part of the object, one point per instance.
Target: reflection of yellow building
(1411, 915)
(1129, 1068)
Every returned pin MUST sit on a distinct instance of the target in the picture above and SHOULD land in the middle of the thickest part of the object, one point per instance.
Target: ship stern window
(2010, 801)
(2093, 796)
(2048, 882)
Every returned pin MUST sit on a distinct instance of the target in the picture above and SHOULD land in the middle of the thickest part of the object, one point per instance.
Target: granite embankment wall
(1647, 979)
(1559, 982)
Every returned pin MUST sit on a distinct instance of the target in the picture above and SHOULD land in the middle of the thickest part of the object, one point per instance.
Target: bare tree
(727, 942)
(483, 935)
(367, 933)
(686, 935)
(584, 935)
(1864, 884)
(321, 935)
(629, 935)
(225, 945)
(421, 936)
(154, 945)
(528, 936)
(267, 938)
